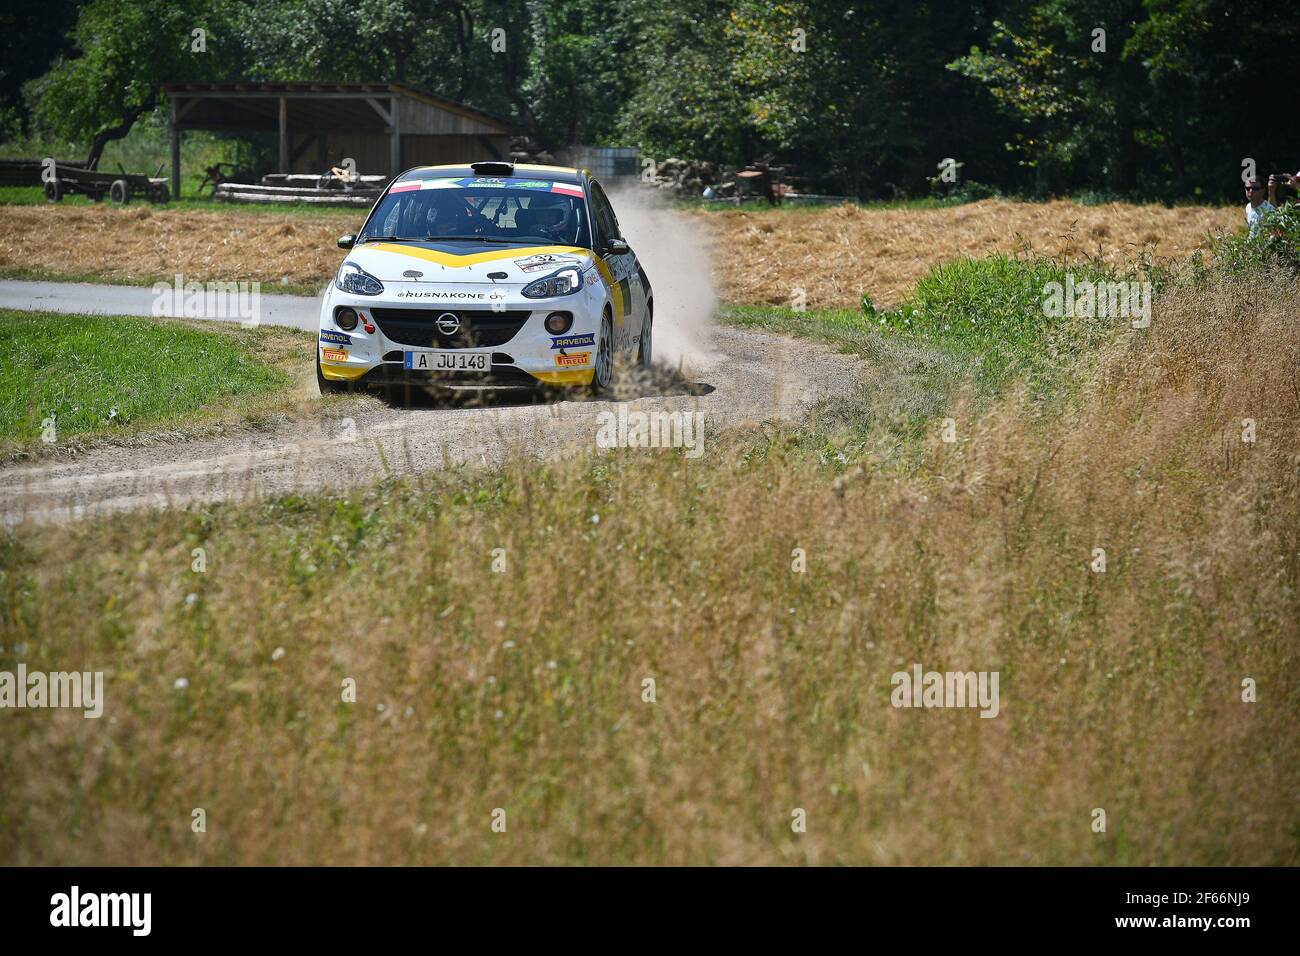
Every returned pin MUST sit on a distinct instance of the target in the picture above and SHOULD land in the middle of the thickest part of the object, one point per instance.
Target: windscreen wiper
(390, 238)
(508, 242)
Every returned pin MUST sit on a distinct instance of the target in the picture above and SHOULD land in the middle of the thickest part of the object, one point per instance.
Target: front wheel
(644, 354)
(603, 376)
(328, 386)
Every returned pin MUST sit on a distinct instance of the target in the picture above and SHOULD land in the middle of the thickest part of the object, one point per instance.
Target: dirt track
(746, 377)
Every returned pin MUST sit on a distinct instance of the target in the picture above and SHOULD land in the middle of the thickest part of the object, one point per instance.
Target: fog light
(557, 323)
(345, 319)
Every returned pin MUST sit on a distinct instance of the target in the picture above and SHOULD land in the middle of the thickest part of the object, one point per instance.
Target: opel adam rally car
(487, 273)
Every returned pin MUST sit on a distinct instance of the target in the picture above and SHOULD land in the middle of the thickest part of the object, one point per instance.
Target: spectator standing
(1257, 205)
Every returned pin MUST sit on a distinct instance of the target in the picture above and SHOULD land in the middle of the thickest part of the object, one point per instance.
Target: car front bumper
(496, 320)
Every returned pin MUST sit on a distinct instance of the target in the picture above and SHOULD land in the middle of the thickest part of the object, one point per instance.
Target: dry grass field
(143, 243)
(523, 690)
(835, 254)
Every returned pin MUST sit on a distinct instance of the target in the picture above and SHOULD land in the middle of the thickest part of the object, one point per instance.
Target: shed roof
(322, 106)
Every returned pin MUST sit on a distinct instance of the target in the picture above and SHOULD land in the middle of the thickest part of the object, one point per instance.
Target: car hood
(463, 262)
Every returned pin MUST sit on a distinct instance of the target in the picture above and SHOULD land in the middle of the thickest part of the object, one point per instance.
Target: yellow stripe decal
(473, 258)
(615, 291)
(341, 374)
(569, 377)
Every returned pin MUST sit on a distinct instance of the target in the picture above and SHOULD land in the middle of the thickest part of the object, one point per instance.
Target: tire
(54, 191)
(328, 387)
(120, 192)
(644, 349)
(158, 193)
(602, 378)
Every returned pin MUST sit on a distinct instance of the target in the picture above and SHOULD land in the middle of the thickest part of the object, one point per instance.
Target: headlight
(564, 282)
(352, 278)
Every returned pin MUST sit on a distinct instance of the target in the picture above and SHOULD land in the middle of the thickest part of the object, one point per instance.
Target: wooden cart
(119, 187)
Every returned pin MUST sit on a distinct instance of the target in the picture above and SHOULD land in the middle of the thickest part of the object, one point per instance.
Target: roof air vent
(493, 168)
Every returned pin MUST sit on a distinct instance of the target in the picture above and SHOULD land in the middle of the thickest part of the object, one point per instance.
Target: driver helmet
(551, 214)
(448, 215)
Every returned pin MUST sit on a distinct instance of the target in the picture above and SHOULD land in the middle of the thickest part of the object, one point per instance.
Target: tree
(577, 74)
(854, 90)
(32, 36)
(1173, 104)
(684, 101)
(125, 51)
(1073, 94)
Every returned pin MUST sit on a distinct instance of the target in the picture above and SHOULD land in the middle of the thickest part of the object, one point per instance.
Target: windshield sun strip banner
(538, 185)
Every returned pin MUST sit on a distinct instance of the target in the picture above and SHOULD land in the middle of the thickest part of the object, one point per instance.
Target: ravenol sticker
(573, 361)
(336, 338)
(542, 260)
(334, 355)
(573, 341)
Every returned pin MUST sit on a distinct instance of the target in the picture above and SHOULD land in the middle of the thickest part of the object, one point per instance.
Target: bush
(967, 192)
(1098, 197)
(994, 307)
(1277, 241)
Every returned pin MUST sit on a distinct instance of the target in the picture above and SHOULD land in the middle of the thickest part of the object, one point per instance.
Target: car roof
(558, 174)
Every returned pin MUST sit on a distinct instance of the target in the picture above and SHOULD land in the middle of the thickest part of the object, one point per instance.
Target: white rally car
(488, 273)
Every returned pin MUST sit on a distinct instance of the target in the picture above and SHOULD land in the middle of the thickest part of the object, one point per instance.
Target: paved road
(295, 311)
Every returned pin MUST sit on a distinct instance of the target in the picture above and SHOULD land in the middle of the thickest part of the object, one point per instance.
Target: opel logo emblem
(448, 323)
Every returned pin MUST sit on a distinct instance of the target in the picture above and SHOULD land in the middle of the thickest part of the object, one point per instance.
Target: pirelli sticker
(573, 360)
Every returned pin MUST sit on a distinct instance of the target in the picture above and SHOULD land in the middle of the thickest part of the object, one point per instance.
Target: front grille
(478, 329)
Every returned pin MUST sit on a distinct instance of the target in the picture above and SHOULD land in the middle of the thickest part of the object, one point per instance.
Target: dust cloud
(676, 254)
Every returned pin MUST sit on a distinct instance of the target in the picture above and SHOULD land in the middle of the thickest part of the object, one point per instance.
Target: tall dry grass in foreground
(522, 690)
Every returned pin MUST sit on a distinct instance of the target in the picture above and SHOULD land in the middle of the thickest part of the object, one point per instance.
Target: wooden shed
(385, 127)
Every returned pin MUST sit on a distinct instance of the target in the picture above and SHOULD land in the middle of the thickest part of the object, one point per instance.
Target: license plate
(446, 361)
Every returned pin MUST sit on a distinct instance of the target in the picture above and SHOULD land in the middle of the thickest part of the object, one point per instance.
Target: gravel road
(746, 377)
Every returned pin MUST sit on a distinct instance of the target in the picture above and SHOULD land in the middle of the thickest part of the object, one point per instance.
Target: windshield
(482, 210)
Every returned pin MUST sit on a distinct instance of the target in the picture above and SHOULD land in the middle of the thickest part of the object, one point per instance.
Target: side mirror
(347, 242)
(617, 247)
